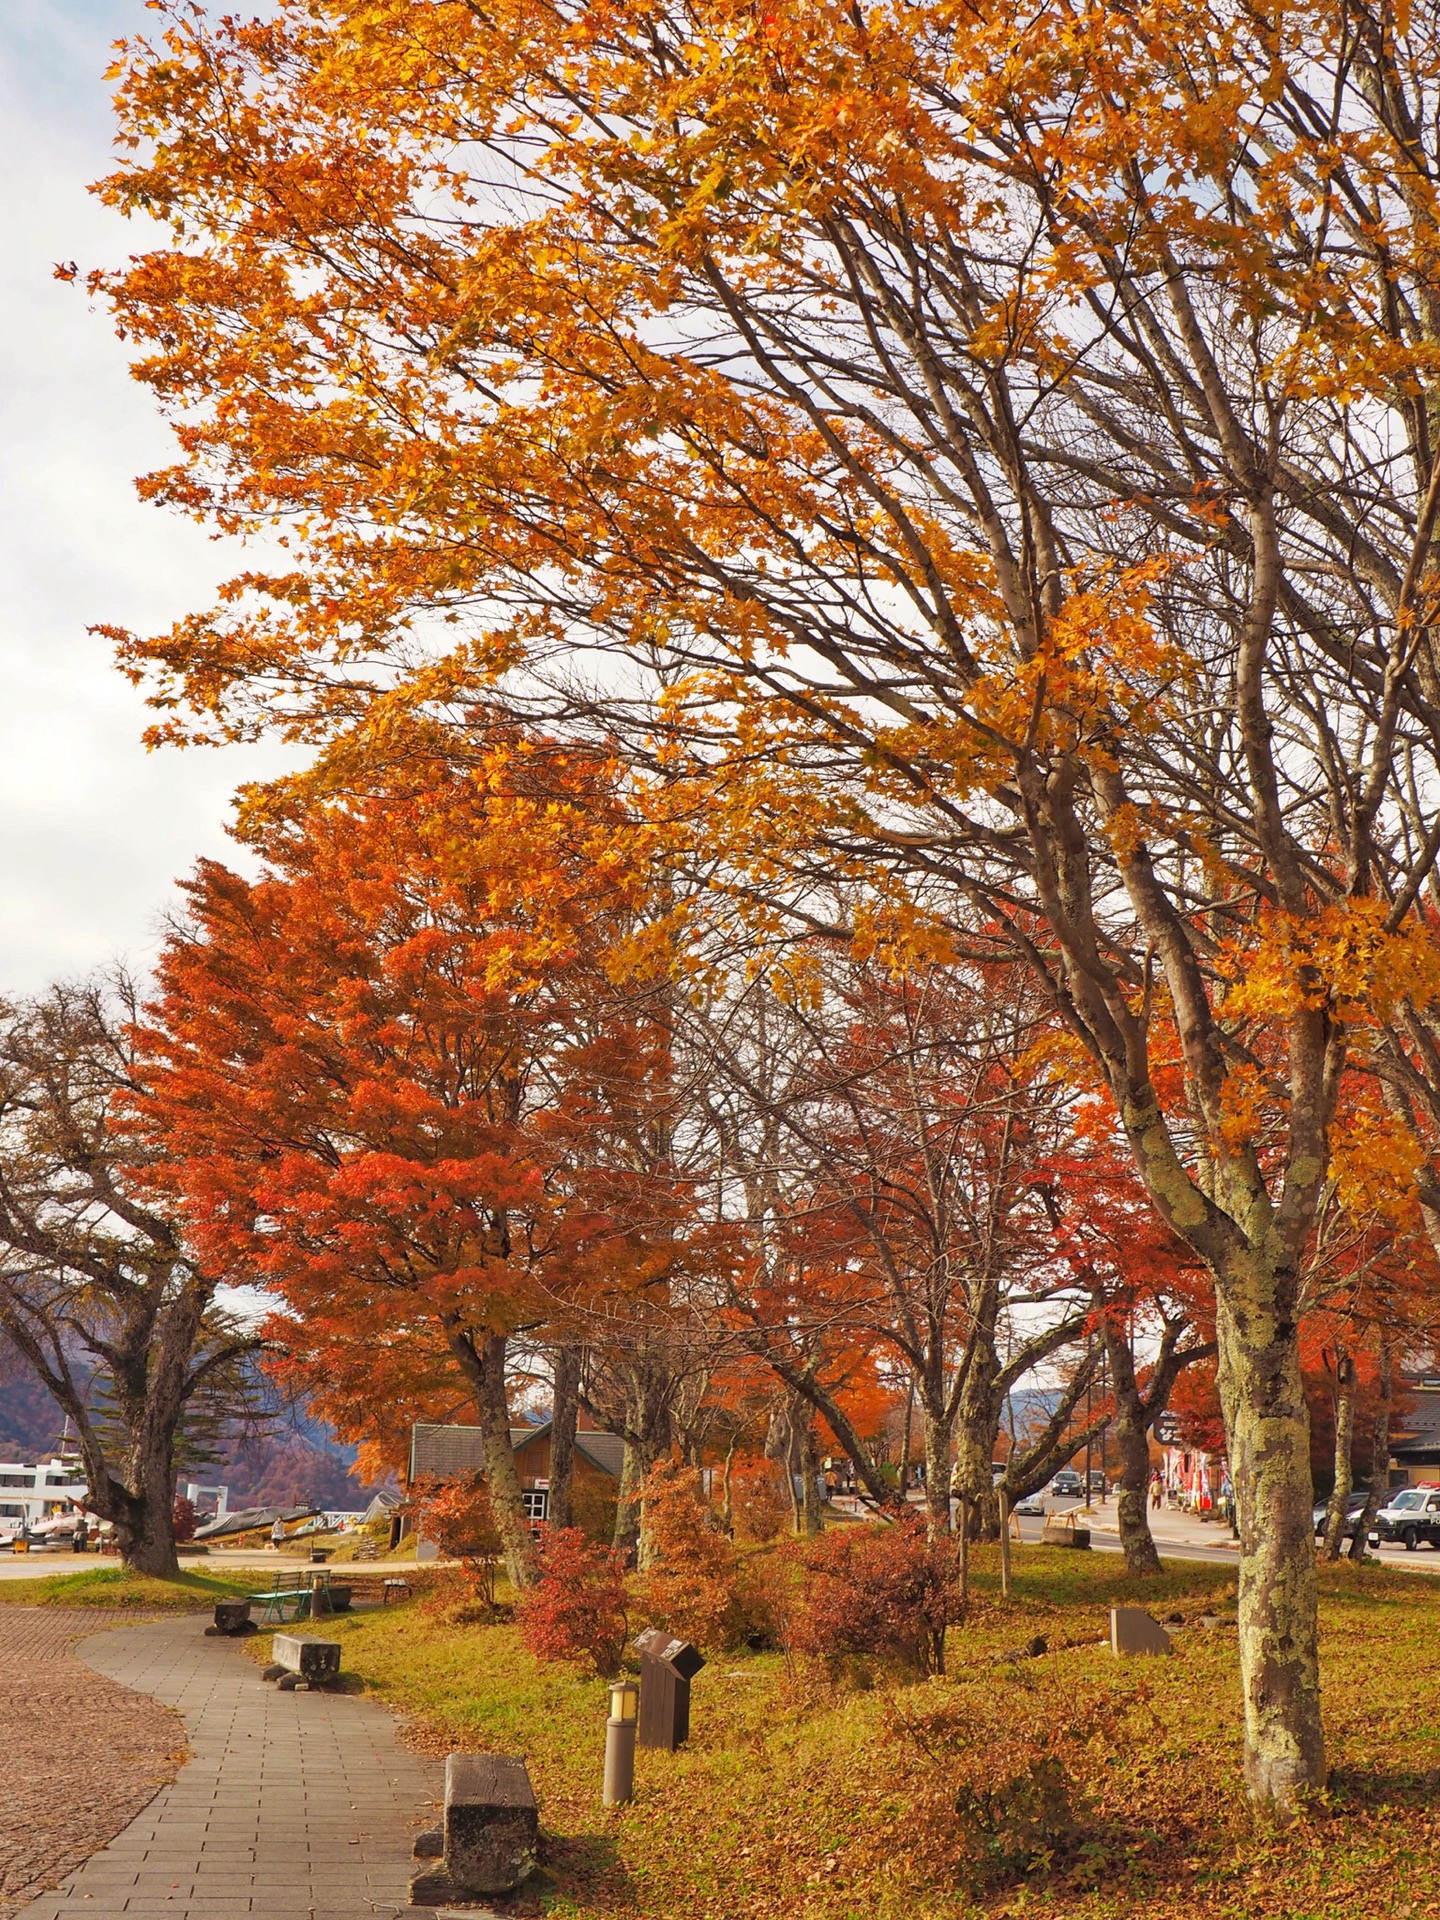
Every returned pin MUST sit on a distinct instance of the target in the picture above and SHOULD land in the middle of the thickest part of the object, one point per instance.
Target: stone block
(232, 1617)
(1060, 1530)
(491, 1829)
(313, 1661)
(1133, 1631)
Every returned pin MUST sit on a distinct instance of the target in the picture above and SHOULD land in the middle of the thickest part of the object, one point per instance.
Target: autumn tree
(887, 1141)
(359, 1067)
(1020, 432)
(1152, 1310)
(101, 1292)
(1370, 1298)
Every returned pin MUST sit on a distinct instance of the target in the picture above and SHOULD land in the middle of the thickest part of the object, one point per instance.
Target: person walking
(277, 1534)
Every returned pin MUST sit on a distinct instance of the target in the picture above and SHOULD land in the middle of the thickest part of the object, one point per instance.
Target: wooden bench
(489, 1835)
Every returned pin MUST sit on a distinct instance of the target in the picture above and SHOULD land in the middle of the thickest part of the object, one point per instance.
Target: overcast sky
(93, 829)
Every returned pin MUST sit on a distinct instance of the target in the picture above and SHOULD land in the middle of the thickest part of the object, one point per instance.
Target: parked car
(1354, 1507)
(1098, 1483)
(1033, 1503)
(1068, 1484)
(1412, 1515)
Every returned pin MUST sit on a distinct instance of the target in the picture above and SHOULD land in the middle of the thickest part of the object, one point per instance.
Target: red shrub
(576, 1609)
(878, 1591)
(690, 1582)
(758, 1502)
(456, 1515)
(184, 1519)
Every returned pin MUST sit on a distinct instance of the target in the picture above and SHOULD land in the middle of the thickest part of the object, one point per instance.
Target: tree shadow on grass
(1366, 1789)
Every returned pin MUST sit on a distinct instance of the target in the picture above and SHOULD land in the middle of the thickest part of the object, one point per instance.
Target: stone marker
(1032, 1649)
(491, 1830)
(312, 1663)
(1133, 1631)
(232, 1617)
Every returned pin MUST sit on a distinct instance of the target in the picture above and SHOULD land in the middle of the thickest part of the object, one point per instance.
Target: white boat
(41, 1496)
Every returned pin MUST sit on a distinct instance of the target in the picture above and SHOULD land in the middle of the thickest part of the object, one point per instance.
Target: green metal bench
(274, 1604)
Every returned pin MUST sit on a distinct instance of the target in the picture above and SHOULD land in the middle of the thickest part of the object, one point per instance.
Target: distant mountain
(283, 1469)
(299, 1462)
(30, 1421)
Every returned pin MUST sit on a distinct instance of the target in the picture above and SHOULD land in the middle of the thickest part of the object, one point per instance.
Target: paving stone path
(297, 1806)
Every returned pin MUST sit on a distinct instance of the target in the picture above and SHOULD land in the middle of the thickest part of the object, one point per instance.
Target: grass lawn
(944, 1798)
(111, 1586)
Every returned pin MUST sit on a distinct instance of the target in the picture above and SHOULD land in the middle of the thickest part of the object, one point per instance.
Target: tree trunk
(483, 1358)
(1132, 1431)
(1344, 1462)
(939, 1436)
(977, 1426)
(645, 1420)
(809, 1389)
(810, 1468)
(149, 1380)
(633, 1468)
(1380, 1457)
(144, 1513)
(1269, 1436)
(727, 1504)
(566, 1365)
(1132, 1499)
(150, 1546)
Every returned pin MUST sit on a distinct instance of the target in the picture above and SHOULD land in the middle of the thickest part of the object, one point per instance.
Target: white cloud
(93, 830)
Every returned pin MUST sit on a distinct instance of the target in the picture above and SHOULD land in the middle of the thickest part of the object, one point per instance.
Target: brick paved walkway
(79, 1756)
(297, 1806)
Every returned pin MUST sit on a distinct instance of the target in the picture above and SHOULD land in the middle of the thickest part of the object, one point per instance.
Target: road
(1180, 1536)
(1172, 1546)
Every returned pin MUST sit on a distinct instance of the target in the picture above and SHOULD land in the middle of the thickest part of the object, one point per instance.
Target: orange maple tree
(375, 1075)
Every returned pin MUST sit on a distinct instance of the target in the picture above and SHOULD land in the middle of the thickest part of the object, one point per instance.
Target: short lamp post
(620, 1743)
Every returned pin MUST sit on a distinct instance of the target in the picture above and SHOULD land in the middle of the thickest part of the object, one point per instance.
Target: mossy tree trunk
(1132, 1440)
(938, 1426)
(1269, 1435)
(1334, 1541)
(814, 1498)
(563, 1421)
(1379, 1454)
(482, 1358)
(1135, 1414)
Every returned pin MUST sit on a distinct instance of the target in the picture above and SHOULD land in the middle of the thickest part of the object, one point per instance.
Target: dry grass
(793, 1799)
